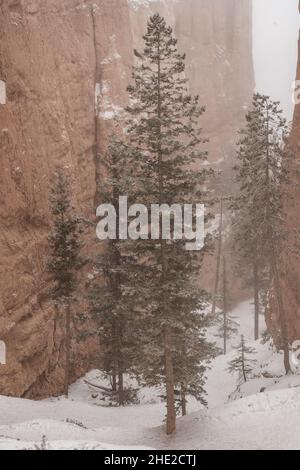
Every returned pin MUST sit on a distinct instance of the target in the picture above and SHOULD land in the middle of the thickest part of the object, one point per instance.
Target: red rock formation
(51, 56)
(290, 257)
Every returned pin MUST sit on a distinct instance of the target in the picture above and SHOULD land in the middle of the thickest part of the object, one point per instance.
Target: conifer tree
(189, 368)
(242, 363)
(111, 307)
(166, 163)
(64, 260)
(228, 327)
(262, 177)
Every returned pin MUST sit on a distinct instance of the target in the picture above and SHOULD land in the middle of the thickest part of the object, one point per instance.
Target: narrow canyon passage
(120, 120)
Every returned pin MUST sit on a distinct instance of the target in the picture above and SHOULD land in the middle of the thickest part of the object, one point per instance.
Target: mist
(276, 26)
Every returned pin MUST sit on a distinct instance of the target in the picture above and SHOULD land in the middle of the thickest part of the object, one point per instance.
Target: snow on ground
(263, 413)
(264, 421)
(219, 383)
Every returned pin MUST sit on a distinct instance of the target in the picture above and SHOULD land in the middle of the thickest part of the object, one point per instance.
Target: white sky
(276, 26)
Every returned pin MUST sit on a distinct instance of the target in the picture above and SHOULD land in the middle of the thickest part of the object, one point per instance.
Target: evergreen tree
(191, 356)
(228, 327)
(262, 176)
(162, 279)
(242, 363)
(190, 367)
(65, 259)
(111, 307)
(251, 264)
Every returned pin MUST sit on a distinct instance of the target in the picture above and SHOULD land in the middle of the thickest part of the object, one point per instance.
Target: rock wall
(57, 58)
(290, 256)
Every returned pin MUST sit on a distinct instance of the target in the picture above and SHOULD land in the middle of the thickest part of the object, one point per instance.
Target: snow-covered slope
(263, 421)
(263, 413)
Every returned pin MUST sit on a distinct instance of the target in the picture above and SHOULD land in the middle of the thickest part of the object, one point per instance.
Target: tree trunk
(118, 325)
(281, 310)
(183, 400)
(218, 268)
(120, 385)
(68, 350)
(115, 352)
(256, 301)
(169, 372)
(120, 364)
(114, 381)
(225, 305)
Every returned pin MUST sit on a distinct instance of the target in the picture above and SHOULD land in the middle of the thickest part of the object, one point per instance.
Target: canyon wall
(66, 65)
(289, 258)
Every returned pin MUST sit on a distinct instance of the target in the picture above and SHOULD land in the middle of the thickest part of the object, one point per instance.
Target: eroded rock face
(53, 56)
(47, 61)
(289, 258)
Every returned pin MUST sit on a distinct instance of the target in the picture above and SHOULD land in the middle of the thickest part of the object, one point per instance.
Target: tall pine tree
(64, 260)
(228, 326)
(262, 177)
(167, 167)
(110, 304)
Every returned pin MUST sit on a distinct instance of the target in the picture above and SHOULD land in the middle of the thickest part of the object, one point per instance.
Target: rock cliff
(289, 258)
(58, 59)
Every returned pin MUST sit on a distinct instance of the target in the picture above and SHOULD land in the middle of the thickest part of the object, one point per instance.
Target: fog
(276, 26)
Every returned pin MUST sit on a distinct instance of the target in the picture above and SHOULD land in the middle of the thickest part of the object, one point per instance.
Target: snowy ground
(264, 413)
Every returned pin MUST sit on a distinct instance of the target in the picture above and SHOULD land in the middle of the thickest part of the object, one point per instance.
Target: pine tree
(251, 268)
(64, 260)
(262, 176)
(162, 281)
(189, 368)
(228, 327)
(111, 307)
(242, 363)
